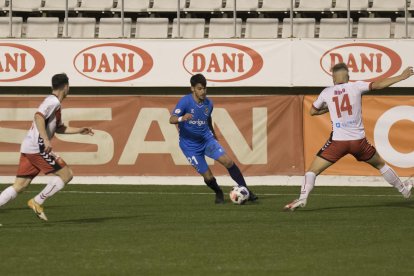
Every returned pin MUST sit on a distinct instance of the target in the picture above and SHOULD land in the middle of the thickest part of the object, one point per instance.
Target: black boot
(212, 184)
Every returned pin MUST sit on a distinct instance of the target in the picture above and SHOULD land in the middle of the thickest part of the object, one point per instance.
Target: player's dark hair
(339, 66)
(198, 78)
(59, 81)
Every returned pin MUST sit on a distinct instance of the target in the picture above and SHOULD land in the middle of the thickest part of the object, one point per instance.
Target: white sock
(391, 177)
(55, 185)
(8, 194)
(307, 185)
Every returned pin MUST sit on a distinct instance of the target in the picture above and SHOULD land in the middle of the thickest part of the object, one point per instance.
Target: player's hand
(48, 146)
(408, 72)
(86, 131)
(187, 117)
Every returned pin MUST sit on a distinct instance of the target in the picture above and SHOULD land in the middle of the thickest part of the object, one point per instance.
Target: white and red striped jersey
(344, 102)
(50, 110)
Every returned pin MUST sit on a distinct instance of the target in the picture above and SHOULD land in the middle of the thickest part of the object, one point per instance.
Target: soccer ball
(239, 195)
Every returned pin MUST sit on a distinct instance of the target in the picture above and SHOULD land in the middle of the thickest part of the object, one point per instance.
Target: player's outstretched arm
(75, 130)
(381, 84)
(175, 120)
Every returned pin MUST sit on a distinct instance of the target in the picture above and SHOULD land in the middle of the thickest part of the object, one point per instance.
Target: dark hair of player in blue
(198, 78)
(59, 81)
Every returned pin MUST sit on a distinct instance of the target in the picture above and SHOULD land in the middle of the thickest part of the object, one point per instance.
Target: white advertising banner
(231, 63)
(151, 63)
(368, 60)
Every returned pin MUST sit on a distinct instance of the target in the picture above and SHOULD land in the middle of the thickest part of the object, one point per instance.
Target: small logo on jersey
(197, 122)
(177, 111)
(366, 61)
(113, 62)
(19, 62)
(223, 62)
(206, 111)
(192, 110)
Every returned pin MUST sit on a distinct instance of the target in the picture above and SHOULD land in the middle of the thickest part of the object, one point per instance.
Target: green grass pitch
(177, 230)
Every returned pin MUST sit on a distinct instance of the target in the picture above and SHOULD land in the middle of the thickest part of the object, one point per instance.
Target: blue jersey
(195, 131)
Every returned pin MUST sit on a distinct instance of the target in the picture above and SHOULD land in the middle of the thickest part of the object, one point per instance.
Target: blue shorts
(196, 156)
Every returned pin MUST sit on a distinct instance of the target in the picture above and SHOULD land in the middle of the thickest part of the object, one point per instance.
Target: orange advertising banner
(389, 126)
(133, 137)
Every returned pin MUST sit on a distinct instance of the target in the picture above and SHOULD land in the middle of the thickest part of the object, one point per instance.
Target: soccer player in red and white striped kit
(343, 101)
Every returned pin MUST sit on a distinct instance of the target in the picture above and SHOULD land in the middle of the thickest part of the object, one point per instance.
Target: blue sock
(236, 175)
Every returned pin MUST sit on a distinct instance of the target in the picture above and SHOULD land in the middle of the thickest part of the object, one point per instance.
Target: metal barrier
(292, 7)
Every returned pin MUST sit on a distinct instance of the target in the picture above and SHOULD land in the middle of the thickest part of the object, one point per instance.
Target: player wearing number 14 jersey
(343, 102)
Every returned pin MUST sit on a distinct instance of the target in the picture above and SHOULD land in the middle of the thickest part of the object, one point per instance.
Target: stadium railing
(294, 8)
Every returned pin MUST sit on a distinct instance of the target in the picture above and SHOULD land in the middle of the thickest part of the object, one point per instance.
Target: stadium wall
(271, 136)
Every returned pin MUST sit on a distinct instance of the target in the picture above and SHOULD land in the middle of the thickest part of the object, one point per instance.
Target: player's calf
(212, 184)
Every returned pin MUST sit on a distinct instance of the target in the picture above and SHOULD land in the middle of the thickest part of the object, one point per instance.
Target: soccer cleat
(297, 203)
(252, 196)
(408, 185)
(37, 208)
(219, 198)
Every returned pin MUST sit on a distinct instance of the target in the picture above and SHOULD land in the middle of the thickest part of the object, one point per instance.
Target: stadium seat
(59, 5)
(151, 28)
(16, 28)
(224, 28)
(95, 5)
(356, 5)
(374, 28)
(334, 28)
(42, 27)
(166, 6)
(302, 27)
(400, 27)
(242, 5)
(80, 27)
(24, 5)
(261, 28)
(411, 6)
(314, 5)
(275, 6)
(111, 28)
(204, 6)
(132, 6)
(189, 28)
(387, 5)
(2, 4)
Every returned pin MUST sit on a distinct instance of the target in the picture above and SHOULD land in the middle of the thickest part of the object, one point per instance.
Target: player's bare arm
(41, 126)
(316, 112)
(75, 130)
(210, 125)
(384, 83)
(175, 120)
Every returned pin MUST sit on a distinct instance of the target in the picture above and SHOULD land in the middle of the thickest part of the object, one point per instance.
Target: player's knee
(208, 176)
(226, 162)
(229, 163)
(69, 176)
(20, 186)
(66, 174)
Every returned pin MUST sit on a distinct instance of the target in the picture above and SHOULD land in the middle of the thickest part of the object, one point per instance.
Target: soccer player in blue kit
(198, 139)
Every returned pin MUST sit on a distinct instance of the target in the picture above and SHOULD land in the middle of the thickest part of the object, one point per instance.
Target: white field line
(178, 193)
(275, 180)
